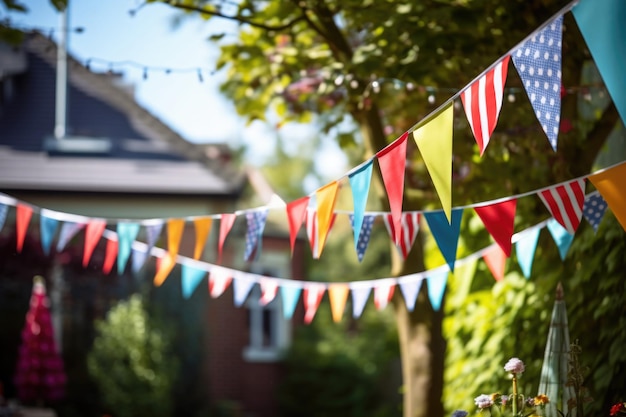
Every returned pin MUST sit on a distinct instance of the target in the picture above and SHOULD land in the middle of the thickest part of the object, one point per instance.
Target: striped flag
(408, 232)
(565, 203)
(312, 231)
(483, 100)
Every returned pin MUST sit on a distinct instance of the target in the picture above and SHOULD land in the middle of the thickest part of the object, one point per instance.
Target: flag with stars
(538, 62)
(594, 209)
(364, 235)
(256, 224)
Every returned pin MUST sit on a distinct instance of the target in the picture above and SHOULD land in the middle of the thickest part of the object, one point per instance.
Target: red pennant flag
(219, 280)
(93, 233)
(295, 214)
(312, 296)
(565, 203)
(110, 256)
(226, 223)
(495, 258)
(383, 292)
(499, 219)
(482, 102)
(269, 288)
(408, 233)
(23, 216)
(392, 161)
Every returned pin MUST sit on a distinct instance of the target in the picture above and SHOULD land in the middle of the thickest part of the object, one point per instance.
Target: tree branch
(239, 19)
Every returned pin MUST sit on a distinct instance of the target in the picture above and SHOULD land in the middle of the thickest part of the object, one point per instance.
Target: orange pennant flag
(495, 258)
(174, 235)
(93, 233)
(23, 216)
(611, 183)
(338, 295)
(110, 256)
(164, 267)
(203, 228)
(326, 197)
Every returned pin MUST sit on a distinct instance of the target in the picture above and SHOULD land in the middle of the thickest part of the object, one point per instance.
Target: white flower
(483, 401)
(514, 366)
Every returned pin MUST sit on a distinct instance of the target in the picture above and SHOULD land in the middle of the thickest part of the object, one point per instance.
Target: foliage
(131, 362)
(341, 369)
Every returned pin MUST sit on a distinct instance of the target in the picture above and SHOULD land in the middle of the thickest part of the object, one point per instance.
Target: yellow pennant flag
(338, 295)
(434, 141)
(325, 207)
(203, 228)
(174, 234)
(164, 267)
(611, 184)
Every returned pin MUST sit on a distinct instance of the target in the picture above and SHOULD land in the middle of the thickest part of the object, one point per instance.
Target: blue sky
(149, 39)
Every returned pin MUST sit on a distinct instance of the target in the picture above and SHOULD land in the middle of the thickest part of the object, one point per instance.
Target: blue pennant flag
(4, 209)
(126, 235)
(138, 259)
(594, 209)
(47, 229)
(190, 279)
(437, 282)
(561, 237)
(446, 234)
(525, 249)
(360, 185)
(290, 296)
(68, 231)
(256, 224)
(364, 235)
(538, 62)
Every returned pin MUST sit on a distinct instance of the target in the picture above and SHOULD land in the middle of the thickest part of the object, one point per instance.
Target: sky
(147, 41)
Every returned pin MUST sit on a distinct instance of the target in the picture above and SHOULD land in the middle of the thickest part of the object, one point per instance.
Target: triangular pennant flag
(499, 220)
(23, 215)
(165, 265)
(68, 231)
(295, 214)
(383, 291)
(611, 184)
(495, 258)
(256, 223)
(290, 295)
(112, 250)
(338, 296)
(138, 259)
(482, 102)
(326, 197)
(561, 236)
(392, 163)
(312, 297)
(434, 141)
(538, 63)
(47, 228)
(226, 223)
(153, 231)
(219, 280)
(93, 233)
(364, 236)
(594, 209)
(202, 226)
(269, 288)
(241, 289)
(446, 234)
(174, 235)
(602, 26)
(360, 180)
(410, 288)
(409, 228)
(4, 209)
(312, 231)
(437, 281)
(190, 279)
(525, 250)
(126, 235)
(565, 203)
(360, 294)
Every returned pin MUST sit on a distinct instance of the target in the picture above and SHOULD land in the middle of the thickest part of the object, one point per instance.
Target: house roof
(115, 145)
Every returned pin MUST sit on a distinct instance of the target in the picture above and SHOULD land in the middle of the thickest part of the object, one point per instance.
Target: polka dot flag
(594, 209)
(538, 62)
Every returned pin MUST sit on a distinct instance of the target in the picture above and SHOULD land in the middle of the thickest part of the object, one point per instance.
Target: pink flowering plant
(513, 404)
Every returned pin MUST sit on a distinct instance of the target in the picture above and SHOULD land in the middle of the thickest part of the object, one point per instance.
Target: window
(269, 332)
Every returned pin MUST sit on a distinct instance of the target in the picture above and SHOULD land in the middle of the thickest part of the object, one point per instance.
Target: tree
(384, 66)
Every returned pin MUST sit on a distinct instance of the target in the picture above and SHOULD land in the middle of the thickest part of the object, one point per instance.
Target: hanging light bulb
(431, 98)
(376, 87)
(145, 73)
(200, 75)
(511, 98)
